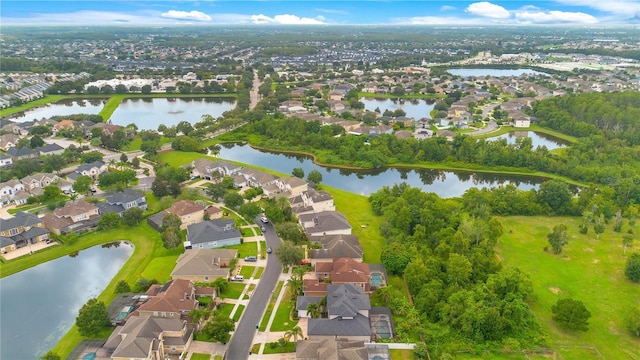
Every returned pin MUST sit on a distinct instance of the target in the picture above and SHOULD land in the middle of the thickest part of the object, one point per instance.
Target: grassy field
(282, 321)
(198, 356)
(179, 158)
(270, 306)
(269, 349)
(245, 249)
(401, 355)
(365, 223)
(160, 268)
(233, 291)
(259, 273)
(588, 270)
(247, 271)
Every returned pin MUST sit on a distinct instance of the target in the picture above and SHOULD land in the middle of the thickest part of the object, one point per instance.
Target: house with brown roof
(173, 300)
(204, 265)
(341, 271)
(77, 215)
(8, 141)
(149, 338)
(293, 186)
(38, 180)
(63, 125)
(188, 211)
(340, 349)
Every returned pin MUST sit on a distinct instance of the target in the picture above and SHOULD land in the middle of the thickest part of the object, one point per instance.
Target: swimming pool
(377, 279)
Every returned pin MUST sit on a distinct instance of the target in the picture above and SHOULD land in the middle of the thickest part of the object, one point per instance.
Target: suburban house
(325, 223)
(92, 170)
(173, 300)
(50, 149)
(149, 338)
(9, 189)
(348, 315)
(212, 234)
(340, 349)
(335, 246)
(122, 201)
(205, 168)
(344, 271)
(21, 230)
(214, 212)
(5, 161)
(188, 211)
(38, 180)
(292, 186)
(21, 153)
(312, 201)
(8, 141)
(77, 215)
(256, 178)
(204, 265)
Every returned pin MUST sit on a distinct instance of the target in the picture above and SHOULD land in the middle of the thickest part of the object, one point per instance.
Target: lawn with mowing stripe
(588, 270)
(245, 249)
(282, 321)
(179, 158)
(233, 291)
(247, 271)
(160, 268)
(270, 349)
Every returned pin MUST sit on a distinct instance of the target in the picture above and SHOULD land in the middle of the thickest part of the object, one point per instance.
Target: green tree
(298, 172)
(571, 314)
(92, 318)
(218, 328)
(558, 238)
(314, 176)
(216, 191)
(36, 142)
(145, 89)
(632, 269)
(220, 284)
(295, 333)
(171, 220)
(91, 156)
(290, 231)
(83, 184)
(53, 162)
(171, 237)
(132, 216)
(249, 210)
(50, 355)
(122, 287)
(143, 284)
(108, 221)
(313, 310)
(556, 195)
(289, 254)
(627, 242)
(633, 321)
(233, 200)
(395, 258)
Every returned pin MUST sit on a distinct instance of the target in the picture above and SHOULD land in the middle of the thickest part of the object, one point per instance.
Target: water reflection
(443, 183)
(493, 72)
(61, 108)
(40, 304)
(414, 108)
(537, 139)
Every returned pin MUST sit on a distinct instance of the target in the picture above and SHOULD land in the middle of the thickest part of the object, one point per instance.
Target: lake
(40, 304)
(415, 108)
(493, 72)
(148, 113)
(537, 139)
(63, 107)
(443, 183)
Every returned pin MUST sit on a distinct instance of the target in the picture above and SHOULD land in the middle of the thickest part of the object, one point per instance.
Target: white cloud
(447, 8)
(555, 17)
(437, 20)
(621, 7)
(286, 19)
(186, 15)
(487, 9)
(332, 11)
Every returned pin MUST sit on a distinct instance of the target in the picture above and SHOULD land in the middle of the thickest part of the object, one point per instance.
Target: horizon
(461, 13)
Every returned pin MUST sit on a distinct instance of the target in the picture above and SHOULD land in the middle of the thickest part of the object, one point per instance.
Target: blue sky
(266, 12)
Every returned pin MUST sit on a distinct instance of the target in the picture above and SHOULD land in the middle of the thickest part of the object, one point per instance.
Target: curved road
(242, 338)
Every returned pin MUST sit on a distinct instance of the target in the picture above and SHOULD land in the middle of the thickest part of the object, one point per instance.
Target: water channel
(443, 183)
(414, 108)
(62, 108)
(537, 139)
(40, 304)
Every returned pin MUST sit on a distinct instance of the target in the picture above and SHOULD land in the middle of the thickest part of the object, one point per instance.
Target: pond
(40, 304)
(493, 72)
(415, 108)
(443, 183)
(537, 139)
(148, 113)
(63, 107)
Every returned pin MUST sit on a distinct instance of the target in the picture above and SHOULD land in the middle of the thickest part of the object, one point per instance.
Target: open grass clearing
(282, 320)
(245, 249)
(233, 291)
(588, 270)
(179, 158)
(160, 268)
(270, 306)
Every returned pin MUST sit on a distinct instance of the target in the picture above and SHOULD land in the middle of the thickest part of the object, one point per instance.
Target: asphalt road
(241, 340)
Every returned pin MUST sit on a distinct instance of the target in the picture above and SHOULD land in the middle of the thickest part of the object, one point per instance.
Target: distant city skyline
(319, 12)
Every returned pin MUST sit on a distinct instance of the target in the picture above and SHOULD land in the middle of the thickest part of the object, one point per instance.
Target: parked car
(251, 258)
(264, 229)
(269, 251)
(237, 278)
(264, 219)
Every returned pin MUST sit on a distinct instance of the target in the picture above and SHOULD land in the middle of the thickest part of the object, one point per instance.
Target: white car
(264, 219)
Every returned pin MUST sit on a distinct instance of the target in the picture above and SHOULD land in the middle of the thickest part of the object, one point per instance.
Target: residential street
(240, 343)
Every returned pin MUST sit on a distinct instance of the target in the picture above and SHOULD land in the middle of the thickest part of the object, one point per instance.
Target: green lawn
(366, 225)
(225, 309)
(245, 249)
(198, 356)
(588, 270)
(233, 291)
(160, 268)
(247, 271)
(238, 314)
(282, 321)
(270, 349)
(179, 158)
(402, 355)
(272, 302)
(259, 273)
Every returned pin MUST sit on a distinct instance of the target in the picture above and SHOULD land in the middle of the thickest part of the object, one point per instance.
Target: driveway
(240, 345)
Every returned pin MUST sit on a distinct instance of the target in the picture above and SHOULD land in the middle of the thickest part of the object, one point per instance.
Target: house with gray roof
(122, 201)
(50, 149)
(5, 161)
(204, 265)
(20, 230)
(21, 153)
(212, 234)
(149, 338)
(340, 349)
(92, 170)
(325, 223)
(336, 246)
(257, 178)
(348, 309)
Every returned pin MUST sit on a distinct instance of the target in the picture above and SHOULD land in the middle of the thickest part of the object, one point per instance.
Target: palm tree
(220, 284)
(313, 310)
(323, 306)
(295, 333)
(295, 284)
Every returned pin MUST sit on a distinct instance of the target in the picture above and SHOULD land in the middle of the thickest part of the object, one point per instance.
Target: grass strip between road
(272, 304)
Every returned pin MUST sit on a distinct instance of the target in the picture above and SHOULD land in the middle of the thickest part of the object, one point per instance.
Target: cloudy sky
(332, 12)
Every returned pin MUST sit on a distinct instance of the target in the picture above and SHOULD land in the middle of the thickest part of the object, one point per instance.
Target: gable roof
(141, 334)
(124, 197)
(174, 296)
(346, 300)
(212, 230)
(74, 208)
(336, 246)
(326, 221)
(331, 349)
(89, 166)
(24, 151)
(358, 326)
(203, 262)
(21, 219)
(48, 148)
(184, 207)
